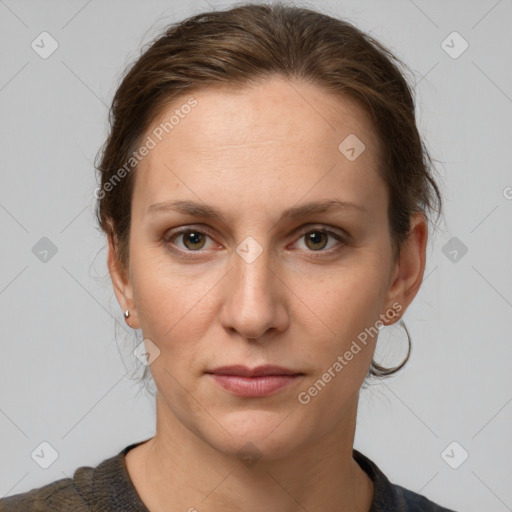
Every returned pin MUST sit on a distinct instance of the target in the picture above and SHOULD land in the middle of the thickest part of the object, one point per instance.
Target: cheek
(162, 293)
(351, 299)
(175, 309)
(349, 305)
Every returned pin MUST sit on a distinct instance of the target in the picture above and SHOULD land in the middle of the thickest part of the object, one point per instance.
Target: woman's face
(255, 284)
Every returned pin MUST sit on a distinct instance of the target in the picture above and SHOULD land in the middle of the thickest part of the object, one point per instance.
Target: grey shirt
(108, 487)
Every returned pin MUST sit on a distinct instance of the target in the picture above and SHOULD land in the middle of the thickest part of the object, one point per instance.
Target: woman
(265, 195)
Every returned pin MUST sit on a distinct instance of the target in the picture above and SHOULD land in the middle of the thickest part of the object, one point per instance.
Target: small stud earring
(126, 313)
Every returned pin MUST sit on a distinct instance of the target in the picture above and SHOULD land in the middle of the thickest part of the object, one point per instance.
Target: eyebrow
(295, 212)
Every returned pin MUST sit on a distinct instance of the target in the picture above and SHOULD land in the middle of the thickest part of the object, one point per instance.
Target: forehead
(277, 135)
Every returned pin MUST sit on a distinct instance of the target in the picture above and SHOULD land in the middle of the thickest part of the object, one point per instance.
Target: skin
(252, 153)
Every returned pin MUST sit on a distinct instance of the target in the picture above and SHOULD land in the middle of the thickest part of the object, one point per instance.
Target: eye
(193, 239)
(316, 240)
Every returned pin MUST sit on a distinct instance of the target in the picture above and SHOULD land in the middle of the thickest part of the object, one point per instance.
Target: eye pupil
(315, 238)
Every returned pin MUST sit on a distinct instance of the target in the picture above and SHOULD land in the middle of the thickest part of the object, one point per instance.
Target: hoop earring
(380, 371)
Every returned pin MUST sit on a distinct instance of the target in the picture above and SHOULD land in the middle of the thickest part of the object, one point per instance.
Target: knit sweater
(108, 488)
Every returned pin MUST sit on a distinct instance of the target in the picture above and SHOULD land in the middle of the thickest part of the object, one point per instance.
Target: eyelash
(203, 231)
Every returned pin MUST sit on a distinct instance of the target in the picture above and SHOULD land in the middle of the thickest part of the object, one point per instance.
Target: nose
(256, 300)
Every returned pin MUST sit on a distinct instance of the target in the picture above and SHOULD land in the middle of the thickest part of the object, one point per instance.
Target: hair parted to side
(248, 43)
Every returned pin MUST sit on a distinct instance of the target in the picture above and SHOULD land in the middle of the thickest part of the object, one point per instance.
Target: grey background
(66, 360)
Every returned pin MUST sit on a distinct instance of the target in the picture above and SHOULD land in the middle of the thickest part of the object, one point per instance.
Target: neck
(181, 468)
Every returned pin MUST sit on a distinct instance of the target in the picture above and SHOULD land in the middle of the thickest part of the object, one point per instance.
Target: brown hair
(242, 45)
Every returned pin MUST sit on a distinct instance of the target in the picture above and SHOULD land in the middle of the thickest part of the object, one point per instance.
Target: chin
(257, 435)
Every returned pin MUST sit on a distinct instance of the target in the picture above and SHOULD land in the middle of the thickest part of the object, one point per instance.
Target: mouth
(256, 382)
(259, 371)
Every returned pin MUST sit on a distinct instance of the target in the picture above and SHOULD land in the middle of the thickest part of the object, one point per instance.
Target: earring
(127, 313)
(380, 371)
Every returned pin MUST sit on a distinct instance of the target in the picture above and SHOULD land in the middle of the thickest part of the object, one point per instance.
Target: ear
(122, 285)
(407, 274)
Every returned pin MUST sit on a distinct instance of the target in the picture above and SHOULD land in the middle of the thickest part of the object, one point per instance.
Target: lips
(254, 382)
(259, 371)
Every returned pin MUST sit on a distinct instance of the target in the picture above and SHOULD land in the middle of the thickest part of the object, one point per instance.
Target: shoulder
(59, 495)
(391, 497)
(413, 501)
(104, 487)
